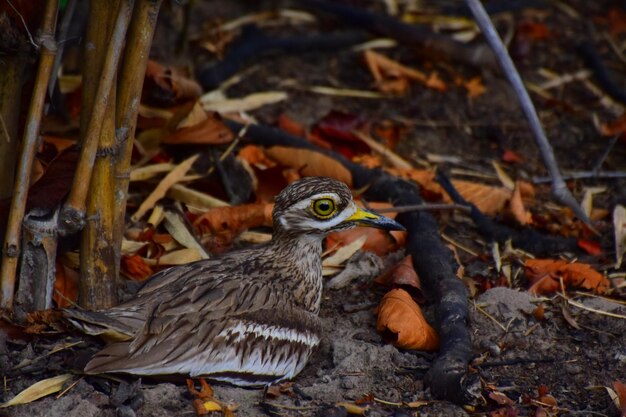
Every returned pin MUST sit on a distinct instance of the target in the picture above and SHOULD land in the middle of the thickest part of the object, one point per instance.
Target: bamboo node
(71, 220)
(11, 251)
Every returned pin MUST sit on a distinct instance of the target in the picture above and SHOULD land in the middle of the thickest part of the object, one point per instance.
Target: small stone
(125, 411)
(348, 382)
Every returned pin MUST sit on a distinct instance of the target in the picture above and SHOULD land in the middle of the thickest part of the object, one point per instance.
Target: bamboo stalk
(29, 145)
(73, 212)
(11, 92)
(131, 78)
(97, 260)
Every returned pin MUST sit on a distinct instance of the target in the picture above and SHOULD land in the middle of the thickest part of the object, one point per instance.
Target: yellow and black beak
(363, 217)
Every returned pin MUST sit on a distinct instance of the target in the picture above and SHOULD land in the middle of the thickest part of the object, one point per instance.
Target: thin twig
(606, 153)
(421, 207)
(30, 36)
(559, 188)
(580, 175)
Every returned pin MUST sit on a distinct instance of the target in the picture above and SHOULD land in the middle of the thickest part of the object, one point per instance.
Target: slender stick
(140, 34)
(29, 145)
(73, 212)
(97, 260)
(559, 188)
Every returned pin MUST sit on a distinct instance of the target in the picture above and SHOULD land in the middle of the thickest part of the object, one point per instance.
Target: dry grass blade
(250, 102)
(166, 183)
(38, 390)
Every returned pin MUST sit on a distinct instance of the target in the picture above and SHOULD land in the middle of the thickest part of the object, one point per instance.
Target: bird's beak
(363, 217)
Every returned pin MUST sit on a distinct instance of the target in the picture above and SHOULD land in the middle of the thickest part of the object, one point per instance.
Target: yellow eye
(324, 207)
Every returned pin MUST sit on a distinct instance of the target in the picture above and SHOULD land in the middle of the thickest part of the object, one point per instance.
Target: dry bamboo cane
(29, 145)
(131, 78)
(97, 260)
(72, 216)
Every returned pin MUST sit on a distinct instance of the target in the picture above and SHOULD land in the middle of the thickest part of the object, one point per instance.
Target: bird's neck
(304, 253)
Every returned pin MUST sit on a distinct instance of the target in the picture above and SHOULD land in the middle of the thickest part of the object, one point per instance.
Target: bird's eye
(324, 207)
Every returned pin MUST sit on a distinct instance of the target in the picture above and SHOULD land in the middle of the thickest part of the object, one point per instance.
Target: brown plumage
(249, 317)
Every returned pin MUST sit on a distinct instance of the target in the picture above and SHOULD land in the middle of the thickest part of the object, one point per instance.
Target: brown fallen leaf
(400, 274)
(620, 390)
(517, 208)
(310, 163)
(256, 156)
(544, 275)
(489, 199)
(65, 286)
(209, 131)
(135, 267)
(235, 219)
(168, 86)
(401, 319)
(393, 77)
(475, 87)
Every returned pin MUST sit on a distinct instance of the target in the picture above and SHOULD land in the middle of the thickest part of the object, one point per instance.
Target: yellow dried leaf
(38, 390)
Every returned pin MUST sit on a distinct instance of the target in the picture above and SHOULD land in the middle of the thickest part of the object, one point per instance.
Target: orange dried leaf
(310, 163)
(136, 268)
(65, 286)
(400, 316)
(475, 87)
(235, 219)
(290, 126)
(511, 157)
(620, 390)
(501, 398)
(402, 273)
(615, 127)
(255, 156)
(489, 199)
(210, 131)
(430, 188)
(517, 208)
(544, 275)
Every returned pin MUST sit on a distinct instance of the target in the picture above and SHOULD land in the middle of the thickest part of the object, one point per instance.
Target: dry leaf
(490, 200)
(290, 126)
(544, 275)
(159, 192)
(255, 156)
(174, 86)
(619, 223)
(65, 286)
(475, 87)
(250, 102)
(500, 398)
(620, 390)
(135, 267)
(517, 208)
(210, 131)
(177, 257)
(38, 390)
(402, 273)
(310, 163)
(401, 317)
(353, 408)
(343, 253)
(392, 77)
(233, 220)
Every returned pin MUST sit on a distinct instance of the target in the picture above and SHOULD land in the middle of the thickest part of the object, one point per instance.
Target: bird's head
(321, 205)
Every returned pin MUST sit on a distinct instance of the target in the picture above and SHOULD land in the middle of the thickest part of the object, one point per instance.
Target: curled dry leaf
(38, 390)
(400, 317)
(209, 131)
(255, 156)
(310, 163)
(490, 200)
(544, 275)
(400, 274)
(235, 219)
(517, 207)
(135, 267)
(620, 390)
(169, 85)
(65, 286)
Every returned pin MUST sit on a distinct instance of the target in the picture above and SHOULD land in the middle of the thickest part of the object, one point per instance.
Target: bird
(249, 317)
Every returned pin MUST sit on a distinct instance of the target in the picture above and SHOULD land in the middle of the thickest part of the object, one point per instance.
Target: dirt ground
(515, 353)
